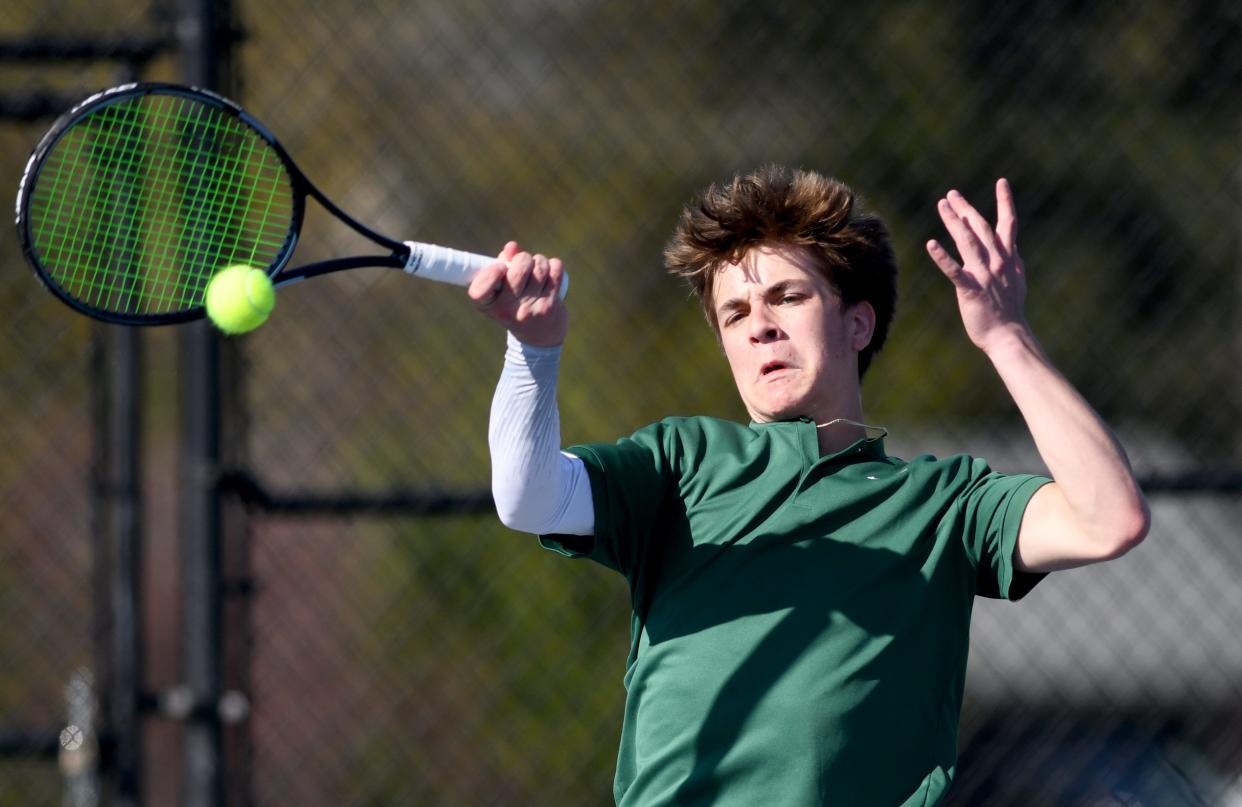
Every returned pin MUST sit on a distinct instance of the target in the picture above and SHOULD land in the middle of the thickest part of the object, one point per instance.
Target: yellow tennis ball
(240, 298)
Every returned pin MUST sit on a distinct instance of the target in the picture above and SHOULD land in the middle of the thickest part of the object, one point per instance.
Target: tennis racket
(138, 195)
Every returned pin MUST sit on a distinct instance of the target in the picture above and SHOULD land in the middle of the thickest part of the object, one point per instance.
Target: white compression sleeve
(537, 487)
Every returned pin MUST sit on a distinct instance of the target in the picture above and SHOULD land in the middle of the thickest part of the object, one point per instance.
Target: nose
(763, 327)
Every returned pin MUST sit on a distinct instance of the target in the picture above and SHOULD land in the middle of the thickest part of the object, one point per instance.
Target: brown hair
(777, 205)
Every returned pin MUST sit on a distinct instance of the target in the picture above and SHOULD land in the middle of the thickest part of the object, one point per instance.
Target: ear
(860, 317)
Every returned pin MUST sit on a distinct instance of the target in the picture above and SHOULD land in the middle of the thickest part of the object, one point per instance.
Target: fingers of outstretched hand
(1006, 216)
(973, 253)
(973, 218)
(977, 226)
(941, 257)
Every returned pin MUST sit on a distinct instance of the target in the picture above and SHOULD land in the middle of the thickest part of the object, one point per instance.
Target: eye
(732, 318)
(792, 297)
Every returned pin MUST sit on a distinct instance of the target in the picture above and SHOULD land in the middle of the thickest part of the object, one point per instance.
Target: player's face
(791, 343)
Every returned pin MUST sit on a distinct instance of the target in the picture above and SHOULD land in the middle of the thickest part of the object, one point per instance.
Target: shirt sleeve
(992, 507)
(631, 483)
(536, 487)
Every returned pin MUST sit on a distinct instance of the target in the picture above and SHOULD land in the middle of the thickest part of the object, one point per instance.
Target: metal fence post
(203, 55)
(118, 563)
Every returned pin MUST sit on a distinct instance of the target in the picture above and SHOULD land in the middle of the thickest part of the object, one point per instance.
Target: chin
(777, 411)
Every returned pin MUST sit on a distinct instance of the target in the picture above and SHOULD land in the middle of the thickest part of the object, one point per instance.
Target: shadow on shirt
(876, 615)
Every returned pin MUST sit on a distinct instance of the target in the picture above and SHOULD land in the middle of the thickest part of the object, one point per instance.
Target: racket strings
(102, 151)
(75, 208)
(124, 156)
(143, 199)
(214, 205)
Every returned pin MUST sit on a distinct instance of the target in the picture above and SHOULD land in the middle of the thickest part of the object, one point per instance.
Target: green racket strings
(142, 200)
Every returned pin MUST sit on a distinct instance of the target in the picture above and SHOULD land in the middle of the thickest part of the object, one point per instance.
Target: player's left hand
(990, 279)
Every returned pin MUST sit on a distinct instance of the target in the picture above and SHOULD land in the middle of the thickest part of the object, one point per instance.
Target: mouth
(772, 367)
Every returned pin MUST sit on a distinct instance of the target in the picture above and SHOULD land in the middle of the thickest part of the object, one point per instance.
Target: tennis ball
(240, 298)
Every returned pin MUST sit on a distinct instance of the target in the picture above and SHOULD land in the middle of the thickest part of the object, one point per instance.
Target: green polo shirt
(800, 623)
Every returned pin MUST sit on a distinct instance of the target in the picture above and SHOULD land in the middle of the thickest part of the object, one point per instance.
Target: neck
(839, 433)
(841, 424)
(840, 429)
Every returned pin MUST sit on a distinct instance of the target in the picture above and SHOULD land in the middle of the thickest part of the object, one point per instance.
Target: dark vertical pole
(235, 567)
(118, 558)
(203, 63)
(126, 529)
(118, 679)
(199, 524)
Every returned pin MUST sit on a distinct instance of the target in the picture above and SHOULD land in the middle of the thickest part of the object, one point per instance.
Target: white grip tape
(447, 265)
(444, 264)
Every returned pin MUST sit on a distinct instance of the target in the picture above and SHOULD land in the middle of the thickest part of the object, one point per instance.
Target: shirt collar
(871, 445)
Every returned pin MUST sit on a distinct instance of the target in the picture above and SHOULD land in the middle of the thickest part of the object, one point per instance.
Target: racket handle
(446, 265)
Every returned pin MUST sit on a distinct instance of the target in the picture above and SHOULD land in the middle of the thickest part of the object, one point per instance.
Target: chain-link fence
(390, 656)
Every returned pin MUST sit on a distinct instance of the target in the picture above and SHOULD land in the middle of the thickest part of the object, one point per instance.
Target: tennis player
(801, 599)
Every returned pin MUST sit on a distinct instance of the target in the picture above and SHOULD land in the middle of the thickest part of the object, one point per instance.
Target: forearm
(1082, 454)
(537, 488)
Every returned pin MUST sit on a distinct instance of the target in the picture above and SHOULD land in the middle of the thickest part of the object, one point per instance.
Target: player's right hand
(520, 291)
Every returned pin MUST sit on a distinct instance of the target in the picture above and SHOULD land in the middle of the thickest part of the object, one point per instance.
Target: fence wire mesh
(445, 660)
